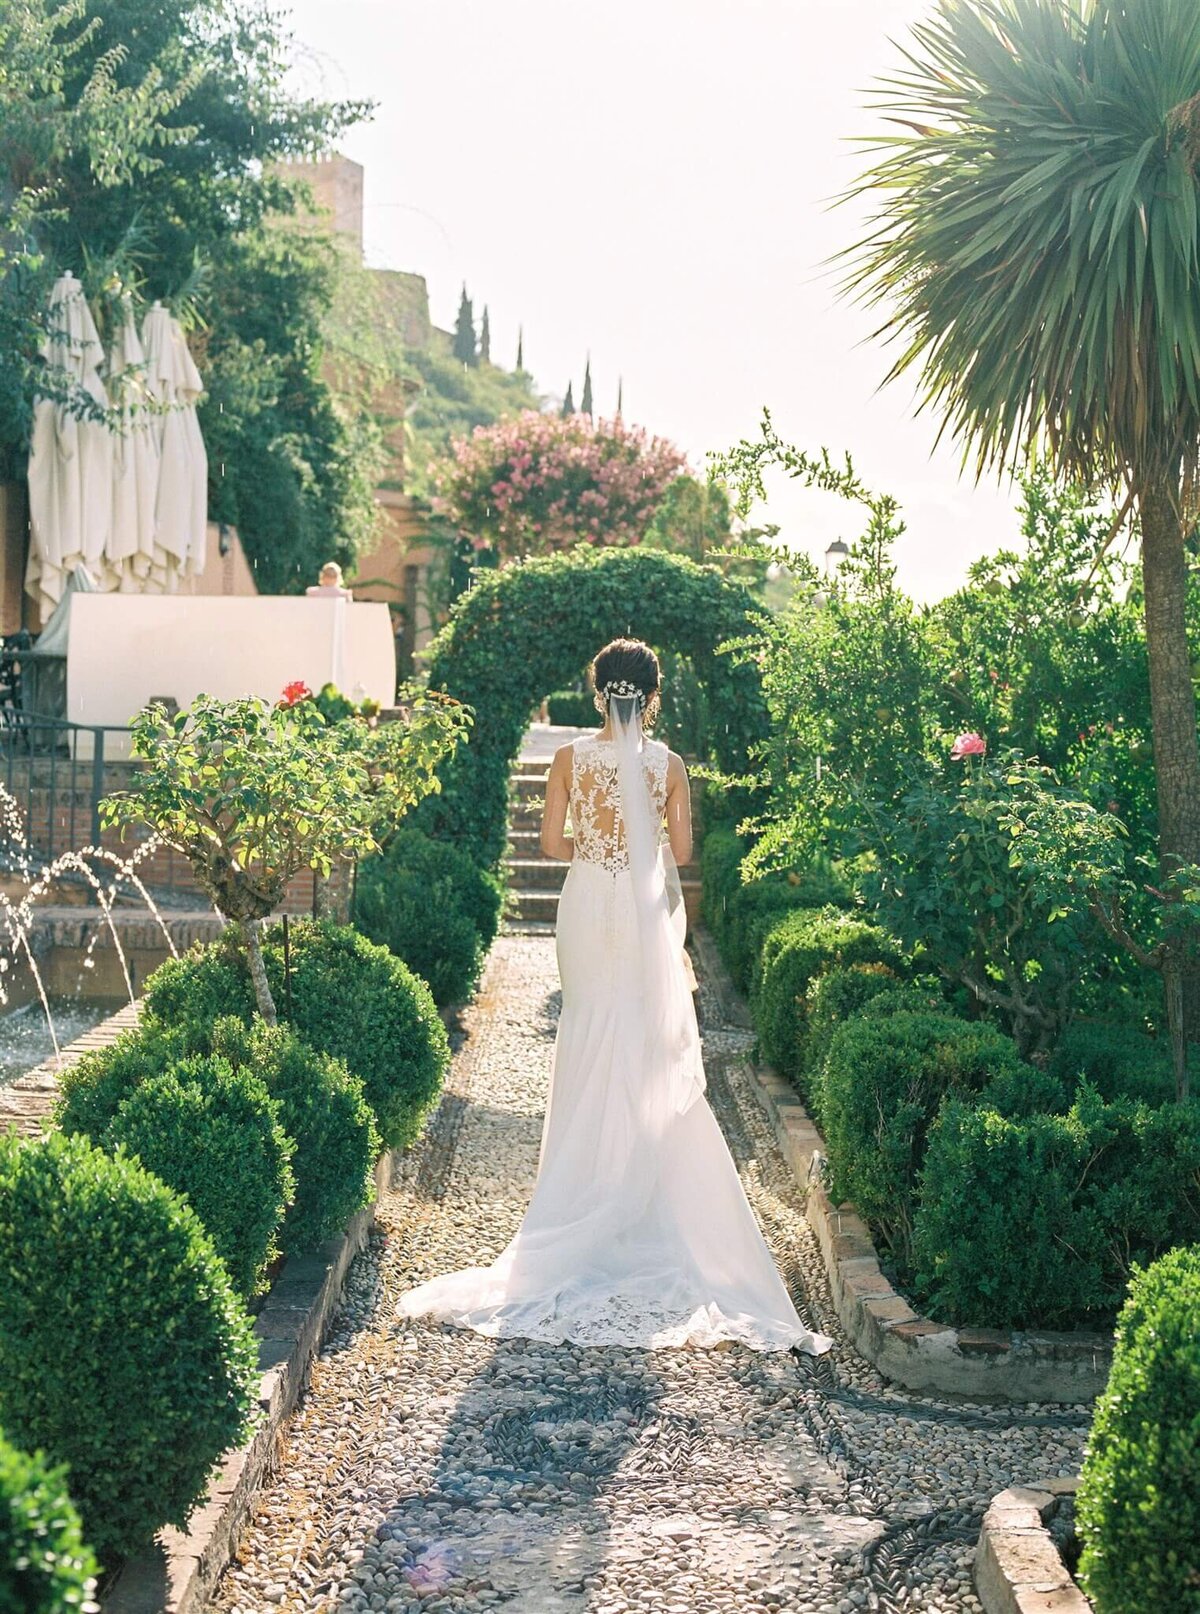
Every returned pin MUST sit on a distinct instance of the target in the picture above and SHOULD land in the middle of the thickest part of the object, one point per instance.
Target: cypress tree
(585, 406)
(568, 407)
(520, 347)
(485, 338)
(464, 332)
(620, 394)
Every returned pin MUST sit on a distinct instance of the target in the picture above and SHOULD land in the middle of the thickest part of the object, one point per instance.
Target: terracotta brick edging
(1018, 1567)
(915, 1351)
(178, 1574)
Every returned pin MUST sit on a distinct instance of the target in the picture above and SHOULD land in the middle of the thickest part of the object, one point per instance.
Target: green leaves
(1045, 183)
(251, 793)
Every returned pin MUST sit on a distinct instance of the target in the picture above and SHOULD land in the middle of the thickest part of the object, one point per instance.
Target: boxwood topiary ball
(124, 1350)
(45, 1566)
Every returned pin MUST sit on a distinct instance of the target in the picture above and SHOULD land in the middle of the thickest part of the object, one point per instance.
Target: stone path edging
(1018, 1567)
(177, 1575)
(915, 1351)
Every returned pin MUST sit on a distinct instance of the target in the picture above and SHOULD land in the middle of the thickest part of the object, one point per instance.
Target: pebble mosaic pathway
(429, 1469)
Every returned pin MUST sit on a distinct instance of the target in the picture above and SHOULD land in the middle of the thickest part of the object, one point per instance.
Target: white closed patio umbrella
(181, 505)
(135, 460)
(70, 459)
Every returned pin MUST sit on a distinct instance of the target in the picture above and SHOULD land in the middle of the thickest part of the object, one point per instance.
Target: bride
(638, 1232)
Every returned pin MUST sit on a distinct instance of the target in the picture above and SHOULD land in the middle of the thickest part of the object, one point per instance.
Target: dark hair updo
(632, 662)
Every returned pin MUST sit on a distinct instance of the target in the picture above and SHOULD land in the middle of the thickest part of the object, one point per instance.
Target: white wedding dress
(638, 1233)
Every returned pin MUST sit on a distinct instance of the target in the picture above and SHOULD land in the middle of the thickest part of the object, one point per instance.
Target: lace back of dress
(596, 800)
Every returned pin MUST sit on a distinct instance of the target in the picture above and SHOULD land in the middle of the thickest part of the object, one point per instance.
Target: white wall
(126, 649)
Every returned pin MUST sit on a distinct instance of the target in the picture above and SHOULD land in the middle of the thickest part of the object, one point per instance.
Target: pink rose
(969, 745)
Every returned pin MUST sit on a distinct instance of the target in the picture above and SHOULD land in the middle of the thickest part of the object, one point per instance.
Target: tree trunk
(252, 934)
(1173, 712)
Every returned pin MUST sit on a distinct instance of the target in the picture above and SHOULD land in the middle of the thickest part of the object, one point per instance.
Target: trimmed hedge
(1138, 1508)
(45, 1566)
(721, 854)
(797, 949)
(124, 1350)
(1036, 1219)
(346, 997)
(399, 892)
(573, 707)
(323, 1108)
(92, 1090)
(837, 996)
(883, 1080)
(213, 1134)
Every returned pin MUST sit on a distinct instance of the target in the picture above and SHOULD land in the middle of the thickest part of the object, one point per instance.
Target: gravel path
(431, 1469)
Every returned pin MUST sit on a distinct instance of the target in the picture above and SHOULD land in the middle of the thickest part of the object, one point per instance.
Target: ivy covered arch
(528, 629)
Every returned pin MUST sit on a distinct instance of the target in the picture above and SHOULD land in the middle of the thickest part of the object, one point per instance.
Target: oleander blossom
(536, 483)
(969, 745)
(294, 693)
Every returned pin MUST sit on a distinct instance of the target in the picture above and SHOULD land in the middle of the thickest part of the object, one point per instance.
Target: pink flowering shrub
(537, 483)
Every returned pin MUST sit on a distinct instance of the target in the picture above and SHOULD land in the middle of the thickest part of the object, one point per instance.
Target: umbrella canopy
(70, 458)
(131, 551)
(181, 504)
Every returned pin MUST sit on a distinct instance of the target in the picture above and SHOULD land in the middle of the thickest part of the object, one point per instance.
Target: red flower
(294, 693)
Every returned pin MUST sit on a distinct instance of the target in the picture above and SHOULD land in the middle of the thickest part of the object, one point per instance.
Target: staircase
(534, 881)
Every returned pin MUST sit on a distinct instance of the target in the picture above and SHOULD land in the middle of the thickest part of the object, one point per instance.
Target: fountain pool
(25, 1039)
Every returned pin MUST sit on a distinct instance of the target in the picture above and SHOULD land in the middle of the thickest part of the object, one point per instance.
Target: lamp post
(835, 554)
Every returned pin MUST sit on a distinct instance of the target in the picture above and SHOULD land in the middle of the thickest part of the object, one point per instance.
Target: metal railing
(53, 770)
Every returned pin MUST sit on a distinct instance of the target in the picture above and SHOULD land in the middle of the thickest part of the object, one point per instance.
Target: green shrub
(757, 906)
(124, 1350)
(721, 854)
(1036, 1220)
(883, 1081)
(322, 1107)
(399, 890)
(798, 948)
(213, 1135)
(346, 996)
(573, 707)
(45, 1566)
(1138, 1509)
(1118, 1060)
(92, 1089)
(837, 996)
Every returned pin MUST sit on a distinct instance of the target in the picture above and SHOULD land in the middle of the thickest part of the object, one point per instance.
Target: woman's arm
(679, 811)
(554, 812)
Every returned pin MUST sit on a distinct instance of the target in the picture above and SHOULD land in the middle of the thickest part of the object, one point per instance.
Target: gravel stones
(430, 1469)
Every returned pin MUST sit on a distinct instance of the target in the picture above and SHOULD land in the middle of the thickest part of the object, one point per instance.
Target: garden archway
(528, 629)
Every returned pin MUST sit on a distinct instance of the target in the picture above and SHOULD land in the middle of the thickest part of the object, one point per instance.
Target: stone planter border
(178, 1574)
(917, 1352)
(1018, 1567)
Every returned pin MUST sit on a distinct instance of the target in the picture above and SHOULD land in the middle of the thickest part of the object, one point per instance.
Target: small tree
(251, 793)
(520, 347)
(485, 338)
(585, 406)
(568, 404)
(464, 332)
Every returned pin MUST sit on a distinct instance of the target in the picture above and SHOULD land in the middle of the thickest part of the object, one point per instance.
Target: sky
(649, 181)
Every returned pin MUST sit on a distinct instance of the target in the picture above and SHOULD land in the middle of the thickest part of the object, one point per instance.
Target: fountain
(18, 920)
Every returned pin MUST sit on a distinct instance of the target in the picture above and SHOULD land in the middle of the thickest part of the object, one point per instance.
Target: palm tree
(1036, 246)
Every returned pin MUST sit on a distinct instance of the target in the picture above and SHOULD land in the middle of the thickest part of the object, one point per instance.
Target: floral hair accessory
(622, 687)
